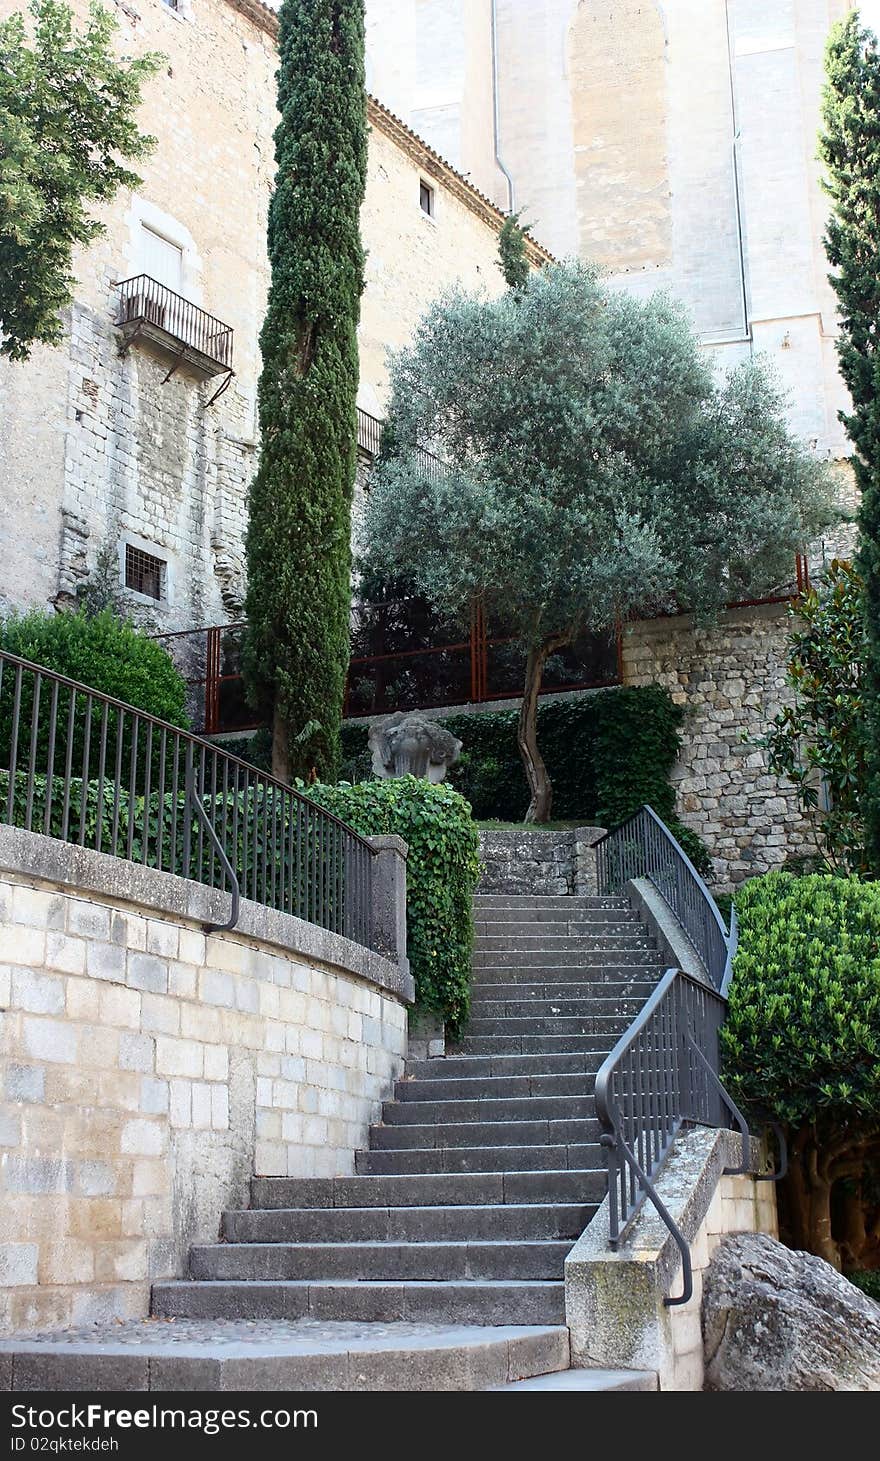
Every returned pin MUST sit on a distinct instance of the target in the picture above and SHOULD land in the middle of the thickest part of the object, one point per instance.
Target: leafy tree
(513, 259)
(67, 115)
(819, 742)
(594, 470)
(801, 1045)
(850, 149)
(298, 542)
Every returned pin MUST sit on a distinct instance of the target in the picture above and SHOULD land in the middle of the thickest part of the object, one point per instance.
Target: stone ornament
(406, 744)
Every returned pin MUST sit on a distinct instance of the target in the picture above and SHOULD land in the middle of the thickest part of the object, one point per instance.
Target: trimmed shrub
(104, 652)
(441, 874)
(801, 1045)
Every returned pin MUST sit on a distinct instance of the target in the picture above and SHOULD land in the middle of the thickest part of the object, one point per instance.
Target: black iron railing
(87, 769)
(144, 301)
(660, 1076)
(642, 847)
(663, 1073)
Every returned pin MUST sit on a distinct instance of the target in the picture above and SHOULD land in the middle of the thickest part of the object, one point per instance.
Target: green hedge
(607, 754)
(802, 1036)
(102, 651)
(442, 871)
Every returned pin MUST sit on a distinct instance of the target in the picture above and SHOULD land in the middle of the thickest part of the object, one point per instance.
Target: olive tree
(594, 469)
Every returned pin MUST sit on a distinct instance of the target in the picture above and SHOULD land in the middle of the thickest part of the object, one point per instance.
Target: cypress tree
(850, 149)
(298, 541)
(512, 257)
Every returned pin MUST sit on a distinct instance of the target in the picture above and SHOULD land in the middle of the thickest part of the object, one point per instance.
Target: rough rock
(774, 1319)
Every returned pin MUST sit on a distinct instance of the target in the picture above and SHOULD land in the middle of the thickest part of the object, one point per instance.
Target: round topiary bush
(104, 652)
(801, 1045)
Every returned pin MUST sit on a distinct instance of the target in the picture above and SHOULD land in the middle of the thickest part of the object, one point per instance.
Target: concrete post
(388, 912)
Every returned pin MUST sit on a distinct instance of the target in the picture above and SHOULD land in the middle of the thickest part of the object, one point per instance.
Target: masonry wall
(730, 678)
(100, 447)
(147, 1071)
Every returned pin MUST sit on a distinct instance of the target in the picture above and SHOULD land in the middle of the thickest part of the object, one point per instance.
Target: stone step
(605, 1381)
(542, 989)
(383, 1262)
(434, 1189)
(544, 1045)
(534, 913)
(458, 1223)
(590, 977)
(483, 1109)
(553, 899)
(626, 1003)
(453, 1302)
(560, 928)
(605, 1026)
(476, 1067)
(220, 1355)
(562, 959)
(580, 1156)
(564, 942)
(512, 1132)
(493, 1087)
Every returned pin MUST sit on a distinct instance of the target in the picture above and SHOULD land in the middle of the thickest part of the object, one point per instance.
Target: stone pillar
(388, 910)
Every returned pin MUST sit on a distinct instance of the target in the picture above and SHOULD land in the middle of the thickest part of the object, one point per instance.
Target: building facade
(126, 453)
(671, 141)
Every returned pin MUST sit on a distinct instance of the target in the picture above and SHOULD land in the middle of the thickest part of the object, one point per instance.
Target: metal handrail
(674, 1040)
(142, 298)
(643, 847)
(84, 767)
(663, 1073)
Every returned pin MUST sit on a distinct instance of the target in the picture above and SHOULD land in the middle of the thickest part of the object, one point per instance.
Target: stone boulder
(774, 1319)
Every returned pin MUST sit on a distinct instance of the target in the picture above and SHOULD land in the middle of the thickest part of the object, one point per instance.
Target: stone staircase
(439, 1265)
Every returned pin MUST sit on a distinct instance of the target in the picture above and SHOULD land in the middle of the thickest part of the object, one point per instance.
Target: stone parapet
(532, 860)
(148, 1068)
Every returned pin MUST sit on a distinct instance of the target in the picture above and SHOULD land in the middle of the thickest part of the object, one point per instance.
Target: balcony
(181, 332)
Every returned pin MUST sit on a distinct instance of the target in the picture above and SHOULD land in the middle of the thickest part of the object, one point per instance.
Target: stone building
(125, 454)
(673, 141)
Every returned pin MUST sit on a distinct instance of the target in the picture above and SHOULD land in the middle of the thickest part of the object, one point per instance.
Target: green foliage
(441, 875)
(298, 542)
(513, 259)
(850, 149)
(821, 738)
(67, 115)
(102, 651)
(868, 1281)
(607, 754)
(595, 469)
(802, 1038)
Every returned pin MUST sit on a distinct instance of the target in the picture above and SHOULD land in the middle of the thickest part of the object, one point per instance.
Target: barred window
(144, 573)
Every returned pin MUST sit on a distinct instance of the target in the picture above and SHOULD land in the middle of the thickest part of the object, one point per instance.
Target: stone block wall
(730, 678)
(615, 1301)
(526, 860)
(148, 1070)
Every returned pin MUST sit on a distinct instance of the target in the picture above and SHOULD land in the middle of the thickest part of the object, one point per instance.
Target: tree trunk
(280, 748)
(540, 788)
(808, 1199)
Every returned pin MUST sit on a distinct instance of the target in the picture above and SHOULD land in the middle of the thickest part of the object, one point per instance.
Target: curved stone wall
(147, 1070)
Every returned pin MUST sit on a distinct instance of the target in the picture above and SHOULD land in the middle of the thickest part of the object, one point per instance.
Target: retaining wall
(147, 1070)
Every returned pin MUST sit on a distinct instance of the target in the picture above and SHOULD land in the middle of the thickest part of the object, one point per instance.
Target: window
(426, 198)
(162, 260)
(144, 573)
(172, 4)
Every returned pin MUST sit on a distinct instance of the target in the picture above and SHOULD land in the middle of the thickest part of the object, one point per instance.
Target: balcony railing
(151, 310)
